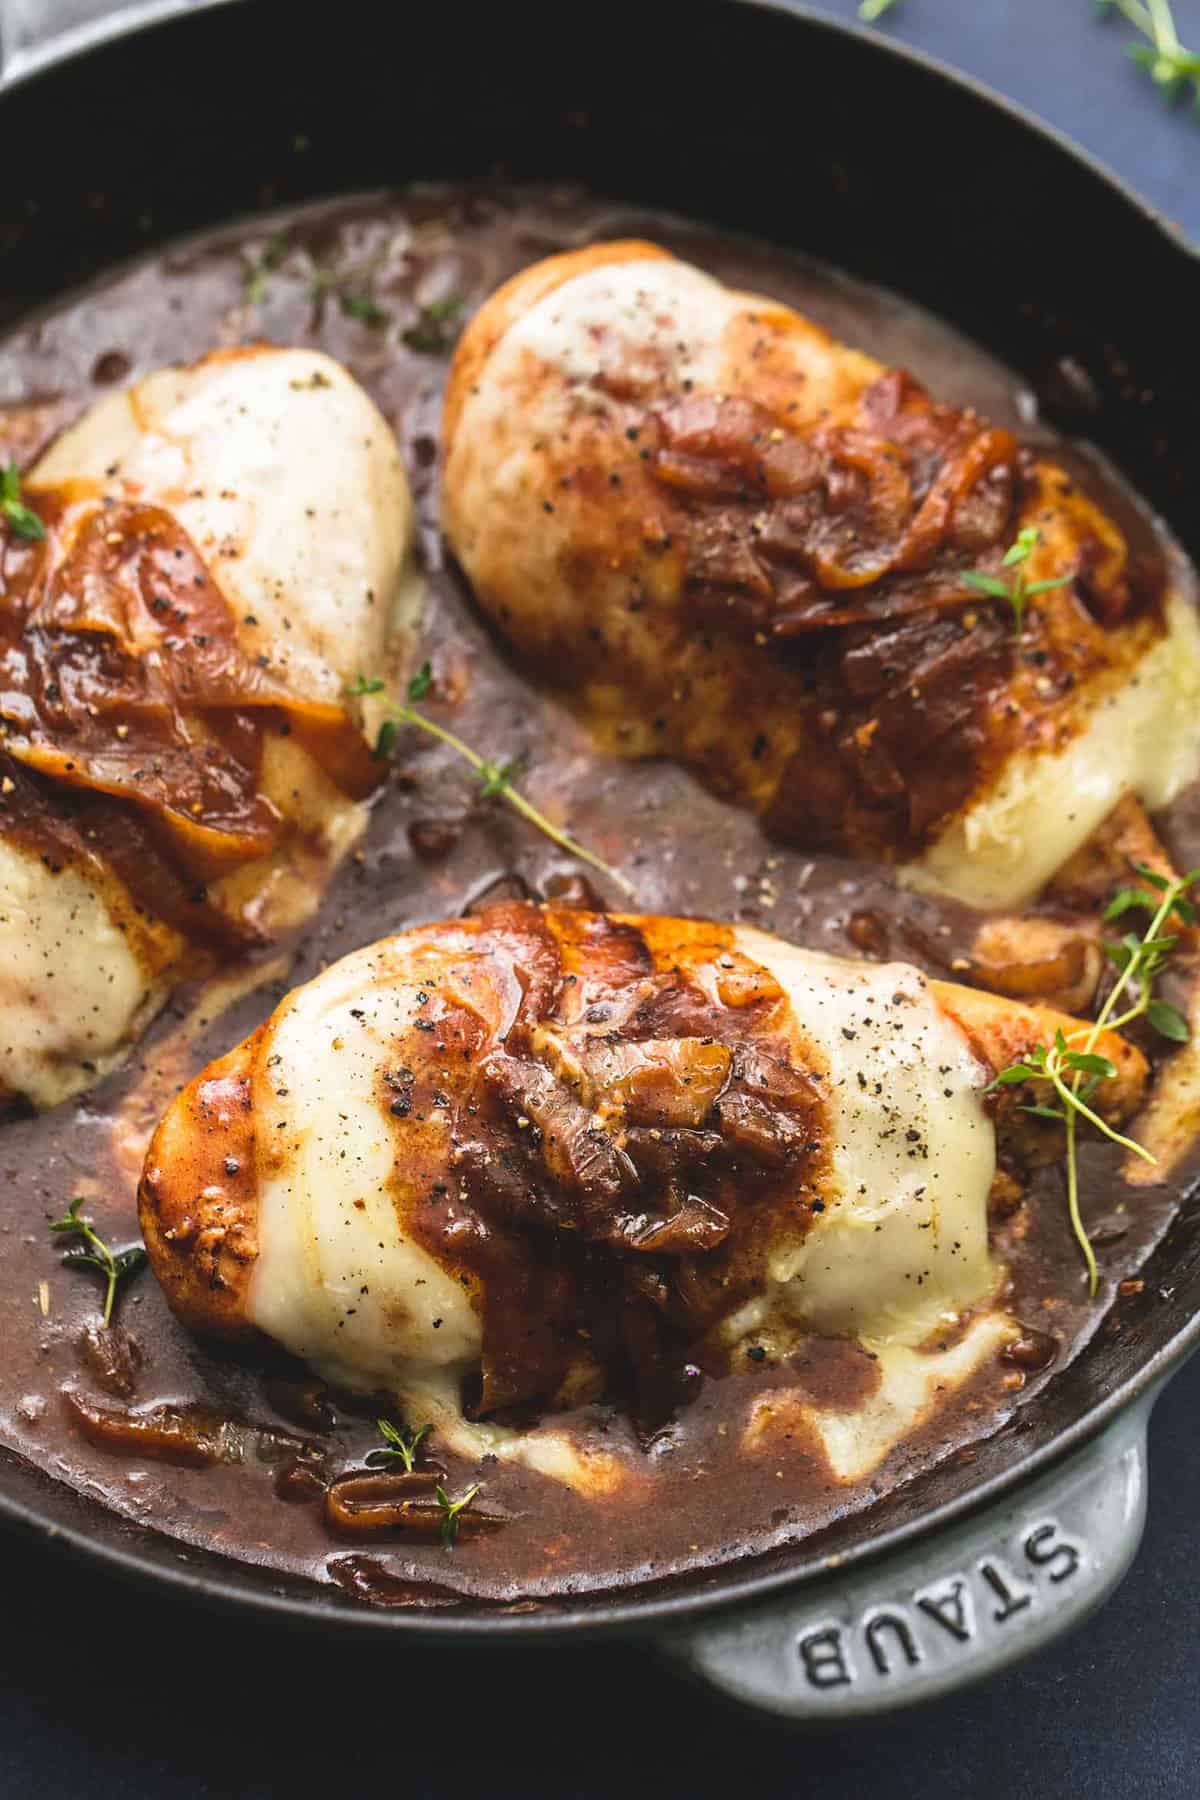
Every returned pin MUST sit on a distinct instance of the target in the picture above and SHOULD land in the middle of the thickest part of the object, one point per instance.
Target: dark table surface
(107, 1692)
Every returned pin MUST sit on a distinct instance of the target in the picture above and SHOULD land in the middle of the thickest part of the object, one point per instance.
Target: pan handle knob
(36, 34)
(949, 1609)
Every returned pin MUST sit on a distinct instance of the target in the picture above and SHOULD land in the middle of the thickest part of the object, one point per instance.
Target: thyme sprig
(451, 1510)
(258, 271)
(495, 780)
(401, 1444)
(354, 300)
(434, 329)
(362, 306)
(114, 1265)
(1173, 69)
(22, 518)
(1016, 590)
(1074, 1070)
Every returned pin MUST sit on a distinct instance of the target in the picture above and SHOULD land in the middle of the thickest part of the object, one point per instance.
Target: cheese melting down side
(1141, 737)
(898, 1258)
(289, 483)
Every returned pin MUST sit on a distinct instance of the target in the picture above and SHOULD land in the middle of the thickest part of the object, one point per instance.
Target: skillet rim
(233, 1586)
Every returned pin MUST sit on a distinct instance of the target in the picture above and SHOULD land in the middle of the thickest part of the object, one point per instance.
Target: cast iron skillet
(761, 118)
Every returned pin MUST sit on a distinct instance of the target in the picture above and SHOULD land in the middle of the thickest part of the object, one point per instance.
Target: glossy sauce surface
(371, 282)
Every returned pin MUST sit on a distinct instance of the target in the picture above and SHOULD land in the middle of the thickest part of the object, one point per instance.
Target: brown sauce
(274, 1438)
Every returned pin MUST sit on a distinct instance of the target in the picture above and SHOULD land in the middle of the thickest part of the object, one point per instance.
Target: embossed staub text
(944, 1617)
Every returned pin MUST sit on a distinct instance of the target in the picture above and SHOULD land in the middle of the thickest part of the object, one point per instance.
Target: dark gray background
(108, 1692)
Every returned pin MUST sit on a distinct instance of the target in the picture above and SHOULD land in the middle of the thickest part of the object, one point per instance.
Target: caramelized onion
(176, 1434)
(610, 1158)
(985, 453)
(758, 1128)
(385, 1502)
(846, 550)
(190, 1435)
(574, 1146)
(1038, 959)
(779, 524)
(114, 1357)
(366, 1579)
(1031, 1350)
(660, 1081)
(574, 890)
(404, 1501)
(695, 1226)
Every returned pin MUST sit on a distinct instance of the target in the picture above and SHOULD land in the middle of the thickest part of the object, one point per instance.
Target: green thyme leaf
(430, 334)
(986, 584)
(1017, 591)
(74, 1259)
(1089, 1063)
(70, 1220)
(94, 1253)
(363, 307)
(22, 518)
(1174, 69)
(451, 1510)
(420, 684)
(495, 778)
(1018, 1071)
(1074, 1074)
(254, 280)
(1124, 901)
(1168, 1021)
(128, 1262)
(1022, 549)
(401, 1444)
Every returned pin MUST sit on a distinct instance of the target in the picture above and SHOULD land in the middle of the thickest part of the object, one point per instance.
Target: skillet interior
(733, 119)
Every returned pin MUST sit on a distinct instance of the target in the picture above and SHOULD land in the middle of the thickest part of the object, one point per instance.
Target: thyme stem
(1065, 1067)
(96, 1254)
(494, 778)
(495, 781)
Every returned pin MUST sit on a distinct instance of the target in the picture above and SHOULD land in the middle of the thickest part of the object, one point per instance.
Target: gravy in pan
(381, 283)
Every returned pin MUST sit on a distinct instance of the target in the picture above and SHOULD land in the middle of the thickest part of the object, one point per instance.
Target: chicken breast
(225, 549)
(541, 1156)
(740, 543)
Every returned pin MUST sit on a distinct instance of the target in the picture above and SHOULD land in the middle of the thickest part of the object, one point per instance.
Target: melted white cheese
(433, 1400)
(901, 1247)
(912, 1385)
(289, 482)
(79, 974)
(1141, 738)
(337, 1280)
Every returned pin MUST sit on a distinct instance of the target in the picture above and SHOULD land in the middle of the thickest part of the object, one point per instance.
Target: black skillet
(765, 119)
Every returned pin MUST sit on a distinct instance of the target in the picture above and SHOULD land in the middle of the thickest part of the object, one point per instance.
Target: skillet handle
(35, 34)
(953, 1608)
